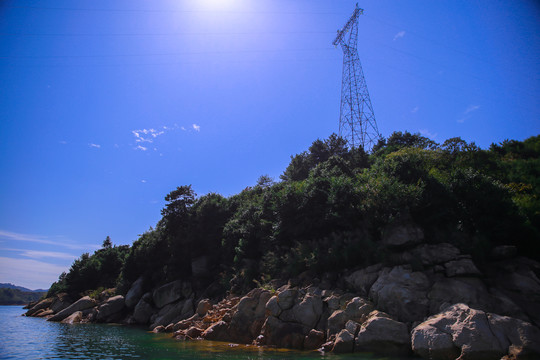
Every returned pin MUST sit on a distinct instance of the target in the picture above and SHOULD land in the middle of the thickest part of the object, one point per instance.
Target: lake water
(35, 338)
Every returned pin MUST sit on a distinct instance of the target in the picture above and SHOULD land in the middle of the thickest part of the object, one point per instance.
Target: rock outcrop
(467, 333)
(82, 304)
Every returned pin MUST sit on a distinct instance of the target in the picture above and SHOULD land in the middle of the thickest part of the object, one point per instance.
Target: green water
(34, 338)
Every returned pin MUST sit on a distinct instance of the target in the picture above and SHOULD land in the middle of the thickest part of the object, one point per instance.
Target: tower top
(357, 123)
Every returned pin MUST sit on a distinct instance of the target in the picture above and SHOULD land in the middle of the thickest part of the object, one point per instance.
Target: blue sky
(106, 106)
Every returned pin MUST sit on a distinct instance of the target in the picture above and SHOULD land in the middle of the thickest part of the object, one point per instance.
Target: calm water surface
(34, 338)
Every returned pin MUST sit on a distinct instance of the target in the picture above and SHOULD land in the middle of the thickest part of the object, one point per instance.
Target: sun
(220, 5)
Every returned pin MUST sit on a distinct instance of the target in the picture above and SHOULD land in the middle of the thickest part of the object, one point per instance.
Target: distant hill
(17, 295)
(11, 286)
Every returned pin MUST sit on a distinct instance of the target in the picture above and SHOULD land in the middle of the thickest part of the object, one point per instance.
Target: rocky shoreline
(427, 300)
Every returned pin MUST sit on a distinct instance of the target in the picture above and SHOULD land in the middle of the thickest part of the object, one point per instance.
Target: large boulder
(461, 267)
(135, 293)
(383, 335)
(358, 309)
(448, 291)
(313, 340)
(41, 305)
(430, 254)
(172, 313)
(282, 334)
(112, 306)
(217, 332)
(362, 280)
(61, 302)
(74, 318)
(307, 312)
(336, 322)
(286, 298)
(171, 292)
(80, 305)
(402, 233)
(247, 321)
(402, 293)
(344, 342)
(143, 310)
(474, 334)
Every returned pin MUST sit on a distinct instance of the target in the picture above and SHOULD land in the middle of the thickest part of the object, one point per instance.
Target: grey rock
(81, 304)
(344, 342)
(402, 293)
(203, 307)
(172, 313)
(313, 340)
(401, 234)
(171, 292)
(282, 334)
(336, 322)
(383, 335)
(362, 280)
(461, 267)
(474, 334)
(272, 307)
(74, 318)
(110, 307)
(287, 298)
(143, 311)
(135, 293)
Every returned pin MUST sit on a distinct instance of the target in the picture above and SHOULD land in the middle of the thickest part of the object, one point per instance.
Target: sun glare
(219, 5)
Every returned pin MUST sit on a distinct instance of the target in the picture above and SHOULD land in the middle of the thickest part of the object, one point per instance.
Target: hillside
(396, 252)
(15, 296)
(12, 286)
(329, 213)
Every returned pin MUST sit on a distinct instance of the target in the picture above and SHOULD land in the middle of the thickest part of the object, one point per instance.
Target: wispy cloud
(467, 113)
(97, 146)
(139, 147)
(196, 127)
(471, 108)
(415, 110)
(143, 181)
(39, 239)
(428, 134)
(29, 273)
(36, 254)
(399, 35)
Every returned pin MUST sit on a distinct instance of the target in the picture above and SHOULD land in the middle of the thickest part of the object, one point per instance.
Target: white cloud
(139, 147)
(196, 127)
(39, 239)
(428, 134)
(415, 110)
(36, 254)
(29, 273)
(471, 108)
(467, 113)
(183, 128)
(63, 142)
(143, 181)
(399, 35)
(97, 146)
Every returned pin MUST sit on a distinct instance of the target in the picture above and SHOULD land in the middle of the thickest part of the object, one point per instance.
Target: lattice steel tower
(356, 121)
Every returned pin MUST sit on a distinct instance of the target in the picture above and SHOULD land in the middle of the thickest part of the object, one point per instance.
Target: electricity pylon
(357, 122)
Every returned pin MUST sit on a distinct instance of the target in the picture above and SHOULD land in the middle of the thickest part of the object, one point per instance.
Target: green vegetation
(18, 297)
(328, 213)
